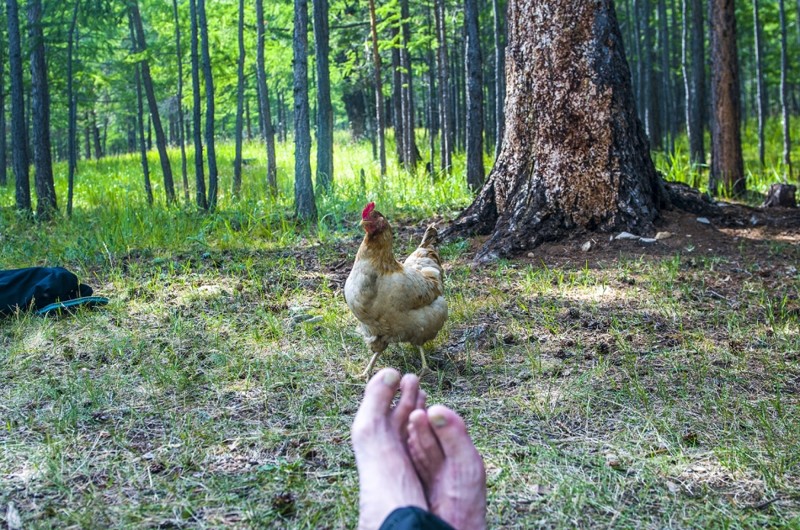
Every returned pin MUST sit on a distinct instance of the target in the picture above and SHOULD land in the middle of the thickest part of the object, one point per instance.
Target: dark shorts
(413, 518)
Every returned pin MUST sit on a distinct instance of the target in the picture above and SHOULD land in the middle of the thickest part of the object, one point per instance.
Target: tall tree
(410, 150)
(237, 161)
(209, 85)
(575, 155)
(263, 101)
(787, 141)
(761, 93)
(3, 144)
(72, 103)
(19, 129)
(499, 75)
(152, 102)
(473, 65)
(181, 120)
(698, 104)
(199, 168)
(666, 88)
(324, 106)
(727, 165)
(376, 61)
(446, 120)
(46, 206)
(305, 207)
(148, 188)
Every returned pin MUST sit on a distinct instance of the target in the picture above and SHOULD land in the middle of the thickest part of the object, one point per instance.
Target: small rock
(531, 255)
(663, 235)
(586, 247)
(647, 240)
(703, 220)
(626, 235)
(148, 455)
(753, 220)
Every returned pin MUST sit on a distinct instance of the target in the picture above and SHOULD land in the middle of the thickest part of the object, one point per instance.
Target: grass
(657, 392)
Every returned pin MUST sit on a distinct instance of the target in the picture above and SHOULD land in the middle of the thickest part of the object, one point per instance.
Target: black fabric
(413, 518)
(37, 287)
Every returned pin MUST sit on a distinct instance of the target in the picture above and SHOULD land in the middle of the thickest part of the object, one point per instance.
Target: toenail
(391, 378)
(438, 420)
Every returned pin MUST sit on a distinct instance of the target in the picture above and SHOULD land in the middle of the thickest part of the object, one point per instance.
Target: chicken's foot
(425, 370)
(368, 370)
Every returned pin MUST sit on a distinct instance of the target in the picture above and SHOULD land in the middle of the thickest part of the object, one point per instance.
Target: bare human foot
(449, 466)
(387, 478)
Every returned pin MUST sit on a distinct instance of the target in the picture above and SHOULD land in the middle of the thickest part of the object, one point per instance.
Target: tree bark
(305, 207)
(499, 76)
(727, 166)
(446, 122)
(760, 91)
(574, 155)
(46, 206)
(666, 83)
(324, 105)
(410, 150)
(473, 65)
(148, 188)
(19, 127)
(209, 82)
(397, 98)
(379, 115)
(237, 160)
(694, 79)
(161, 140)
(181, 120)
(72, 112)
(263, 101)
(3, 144)
(199, 168)
(787, 141)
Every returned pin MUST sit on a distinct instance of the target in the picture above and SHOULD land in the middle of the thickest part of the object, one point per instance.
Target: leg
(449, 466)
(387, 478)
(368, 369)
(425, 369)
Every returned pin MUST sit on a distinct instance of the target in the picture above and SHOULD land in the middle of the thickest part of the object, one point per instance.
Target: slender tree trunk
(699, 114)
(379, 115)
(181, 120)
(574, 156)
(727, 166)
(263, 101)
(209, 82)
(199, 168)
(499, 76)
(161, 140)
(446, 123)
(760, 91)
(693, 112)
(305, 208)
(72, 119)
(433, 125)
(324, 105)
(397, 98)
(237, 161)
(3, 144)
(666, 82)
(473, 65)
(46, 206)
(19, 128)
(411, 152)
(787, 142)
(148, 188)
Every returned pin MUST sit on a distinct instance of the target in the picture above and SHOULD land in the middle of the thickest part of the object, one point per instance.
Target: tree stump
(781, 196)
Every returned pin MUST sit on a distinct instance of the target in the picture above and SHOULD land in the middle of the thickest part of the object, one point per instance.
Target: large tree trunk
(209, 82)
(727, 165)
(237, 160)
(161, 140)
(263, 101)
(305, 207)
(200, 180)
(474, 127)
(324, 105)
(46, 206)
(574, 154)
(19, 128)
(181, 121)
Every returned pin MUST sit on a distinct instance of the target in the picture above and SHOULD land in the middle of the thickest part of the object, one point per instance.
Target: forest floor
(631, 386)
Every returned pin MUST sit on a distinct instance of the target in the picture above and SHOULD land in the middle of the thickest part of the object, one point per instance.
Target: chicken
(393, 301)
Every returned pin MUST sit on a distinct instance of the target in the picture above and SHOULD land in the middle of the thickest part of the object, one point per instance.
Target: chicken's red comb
(367, 210)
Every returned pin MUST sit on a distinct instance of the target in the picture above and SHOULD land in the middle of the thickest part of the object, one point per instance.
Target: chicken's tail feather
(431, 237)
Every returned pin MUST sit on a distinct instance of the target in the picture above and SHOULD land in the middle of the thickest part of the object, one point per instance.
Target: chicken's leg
(368, 370)
(425, 369)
